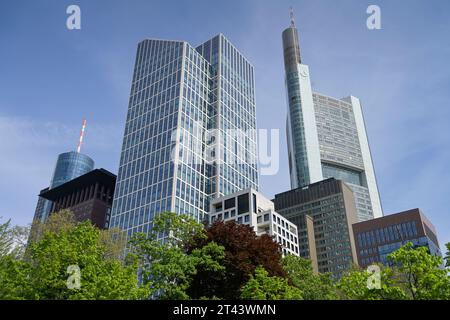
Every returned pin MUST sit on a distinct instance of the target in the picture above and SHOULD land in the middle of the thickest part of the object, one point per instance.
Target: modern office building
(251, 208)
(377, 238)
(68, 166)
(323, 213)
(183, 143)
(326, 137)
(88, 196)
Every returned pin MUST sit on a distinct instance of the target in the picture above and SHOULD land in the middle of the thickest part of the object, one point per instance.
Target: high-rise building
(376, 239)
(326, 136)
(253, 209)
(323, 213)
(69, 165)
(183, 143)
(88, 196)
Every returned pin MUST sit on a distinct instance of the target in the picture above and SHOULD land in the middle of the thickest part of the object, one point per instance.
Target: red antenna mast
(81, 135)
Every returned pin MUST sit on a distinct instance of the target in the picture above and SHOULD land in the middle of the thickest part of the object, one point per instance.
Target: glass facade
(181, 99)
(340, 149)
(69, 166)
(374, 245)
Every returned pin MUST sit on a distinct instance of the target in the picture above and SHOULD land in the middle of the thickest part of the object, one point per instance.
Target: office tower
(326, 136)
(252, 208)
(323, 213)
(88, 196)
(68, 166)
(377, 238)
(181, 147)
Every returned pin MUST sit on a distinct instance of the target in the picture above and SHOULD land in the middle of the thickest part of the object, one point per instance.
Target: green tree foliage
(44, 274)
(244, 252)
(167, 267)
(354, 285)
(414, 274)
(261, 286)
(313, 286)
(13, 240)
(422, 274)
(447, 255)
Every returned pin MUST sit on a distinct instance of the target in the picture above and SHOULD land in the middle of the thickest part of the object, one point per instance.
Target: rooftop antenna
(81, 136)
(291, 15)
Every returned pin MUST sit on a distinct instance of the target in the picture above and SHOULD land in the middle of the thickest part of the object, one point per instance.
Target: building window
(230, 203)
(259, 219)
(226, 215)
(239, 220)
(247, 218)
(218, 206)
(243, 205)
(232, 213)
(266, 217)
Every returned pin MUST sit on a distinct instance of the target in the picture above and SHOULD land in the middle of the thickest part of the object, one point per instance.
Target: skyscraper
(69, 165)
(326, 136)
(180, 146)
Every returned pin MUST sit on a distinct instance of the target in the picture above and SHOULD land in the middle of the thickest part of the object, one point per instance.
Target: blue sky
(50, 78)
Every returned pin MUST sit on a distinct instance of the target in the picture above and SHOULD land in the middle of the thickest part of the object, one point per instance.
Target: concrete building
(251, 208)
(323, 213)
(377, 238)
(89, 197)
(326, 136)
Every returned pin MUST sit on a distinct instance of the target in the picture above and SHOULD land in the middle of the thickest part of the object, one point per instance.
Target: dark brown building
(375, 239)
(89, 197)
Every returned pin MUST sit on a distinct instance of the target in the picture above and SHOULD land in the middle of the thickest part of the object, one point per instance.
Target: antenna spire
(291, 15)
(81, 136)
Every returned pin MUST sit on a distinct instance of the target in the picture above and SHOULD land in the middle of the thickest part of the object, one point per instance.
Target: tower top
(291, 16)
(80, 141)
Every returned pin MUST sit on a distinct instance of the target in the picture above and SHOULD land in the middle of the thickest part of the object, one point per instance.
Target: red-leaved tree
(244, 251)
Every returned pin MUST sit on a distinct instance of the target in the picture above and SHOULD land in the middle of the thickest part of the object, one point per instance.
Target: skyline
(87, 74)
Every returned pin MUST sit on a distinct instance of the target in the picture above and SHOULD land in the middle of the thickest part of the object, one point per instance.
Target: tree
(313, 286)
(261, 286)
(447, 255)
(167, 266)
(244, 252)
(13, 240)
(422, 274)
(13, 275)
(45, 273)
(354, 285)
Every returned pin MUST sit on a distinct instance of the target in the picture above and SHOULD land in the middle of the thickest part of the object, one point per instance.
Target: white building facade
(252, 208)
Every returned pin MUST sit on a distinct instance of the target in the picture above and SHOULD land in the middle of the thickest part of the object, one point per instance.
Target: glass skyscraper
(69, 166)
(326, 136)
(183, 143)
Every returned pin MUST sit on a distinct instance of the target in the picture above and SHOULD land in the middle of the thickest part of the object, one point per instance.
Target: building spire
(80, 141)
(291, 15)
